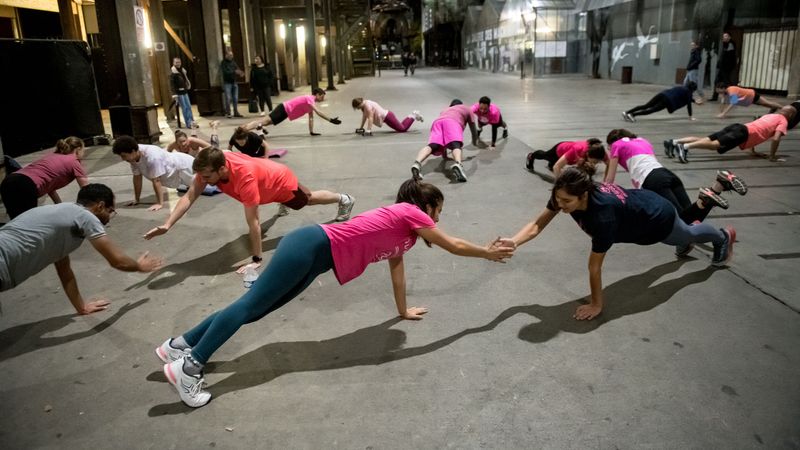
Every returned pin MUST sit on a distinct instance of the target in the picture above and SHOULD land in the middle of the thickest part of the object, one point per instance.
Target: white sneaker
(345, 206)
(417, 116)
(190, 388)
(282, 210)
(458, 172)
(167, 353)
(262, 114)
(416, 171)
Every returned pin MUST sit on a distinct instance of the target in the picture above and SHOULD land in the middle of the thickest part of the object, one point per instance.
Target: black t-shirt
(253, 147)
(677, 97)
(615, 215)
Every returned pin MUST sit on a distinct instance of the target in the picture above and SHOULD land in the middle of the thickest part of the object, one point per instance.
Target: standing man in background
(726, 64)
(179, 84)
(693, 69)
(230, 89)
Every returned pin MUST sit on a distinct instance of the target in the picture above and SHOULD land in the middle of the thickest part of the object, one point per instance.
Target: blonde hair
(68, 145)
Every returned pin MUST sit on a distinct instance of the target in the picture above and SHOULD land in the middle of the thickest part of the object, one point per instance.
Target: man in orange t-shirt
(745, 136)
(738, 96)
(254, 182)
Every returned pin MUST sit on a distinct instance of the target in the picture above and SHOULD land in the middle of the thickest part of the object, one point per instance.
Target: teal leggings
(301, 256)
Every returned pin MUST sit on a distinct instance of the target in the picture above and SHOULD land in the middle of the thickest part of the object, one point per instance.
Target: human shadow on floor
(213, 263)
(21, 339)
(379, 344)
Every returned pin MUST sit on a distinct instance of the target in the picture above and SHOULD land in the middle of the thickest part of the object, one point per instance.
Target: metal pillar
(329, 47)
(311, 45)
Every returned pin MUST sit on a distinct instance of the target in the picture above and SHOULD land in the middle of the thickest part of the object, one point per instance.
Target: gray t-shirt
(41, 236)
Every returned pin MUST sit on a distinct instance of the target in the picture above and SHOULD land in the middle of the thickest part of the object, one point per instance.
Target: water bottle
(250, 276)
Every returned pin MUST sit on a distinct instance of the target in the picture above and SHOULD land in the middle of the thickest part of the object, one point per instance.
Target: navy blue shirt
(677, 98)
(614, 214)
(253, 147)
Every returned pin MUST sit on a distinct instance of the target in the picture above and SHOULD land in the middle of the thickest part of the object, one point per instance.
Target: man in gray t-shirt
(48, 234)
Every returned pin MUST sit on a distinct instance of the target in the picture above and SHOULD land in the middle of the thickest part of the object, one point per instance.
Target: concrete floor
(683, 356)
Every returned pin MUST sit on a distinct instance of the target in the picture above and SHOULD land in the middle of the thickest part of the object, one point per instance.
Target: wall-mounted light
(301, 33)
(148, 38)
(282, 31)
(323, 42)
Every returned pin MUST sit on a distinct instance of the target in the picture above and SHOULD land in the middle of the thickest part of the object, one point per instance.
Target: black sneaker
(669, 148)
(529, 161)
(711, 198)
(723, 253)
(683, 250)
(505, 133)
(731, 182)
(682, 152)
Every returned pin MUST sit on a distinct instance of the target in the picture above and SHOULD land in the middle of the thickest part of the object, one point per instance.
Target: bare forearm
(399, 288)
(527, 233)
(137, 188)
(596, 286)
(158, 191)
(773, 148)
(255, 240)
(55, 197)
(70, 285)
(465, 248)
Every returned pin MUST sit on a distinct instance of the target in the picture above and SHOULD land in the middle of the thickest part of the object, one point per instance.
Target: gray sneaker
(669, 148)
(683, 250)
(682, 152)
(282, 210)
(723, 253)
(416, 170)
(458, 172)
(345, 207)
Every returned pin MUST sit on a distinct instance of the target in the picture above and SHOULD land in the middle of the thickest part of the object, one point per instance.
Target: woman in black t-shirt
(249, 143)
(611, 214)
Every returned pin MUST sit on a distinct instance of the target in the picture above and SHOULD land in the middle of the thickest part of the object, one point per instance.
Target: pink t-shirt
(459, 113)
(492, 116)
(574, 151)
(298, 106)
(373, 236)
(763, 128)
(637, 157)
(53, 171)
(257, 181)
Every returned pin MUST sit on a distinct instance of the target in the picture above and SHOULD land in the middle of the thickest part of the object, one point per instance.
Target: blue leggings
(301, 256)
(683, 234)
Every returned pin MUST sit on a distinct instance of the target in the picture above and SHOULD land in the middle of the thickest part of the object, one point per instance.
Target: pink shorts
(443, 133)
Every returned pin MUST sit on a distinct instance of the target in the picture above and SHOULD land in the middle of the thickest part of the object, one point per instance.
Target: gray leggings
(683, 234)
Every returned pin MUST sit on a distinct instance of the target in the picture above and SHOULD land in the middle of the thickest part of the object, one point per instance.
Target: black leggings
(263, 95)
(19, 194)
(551, 156)
(666, 184)
(655, 104)
(495, 126)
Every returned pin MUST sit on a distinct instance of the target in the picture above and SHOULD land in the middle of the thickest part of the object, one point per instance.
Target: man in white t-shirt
(163, 168)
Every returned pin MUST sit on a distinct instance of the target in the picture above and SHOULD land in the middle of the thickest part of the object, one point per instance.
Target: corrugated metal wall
(766, 59)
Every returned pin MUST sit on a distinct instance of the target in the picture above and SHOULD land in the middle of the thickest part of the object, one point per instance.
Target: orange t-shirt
(257, 181)
(763, 128)
(744, 97)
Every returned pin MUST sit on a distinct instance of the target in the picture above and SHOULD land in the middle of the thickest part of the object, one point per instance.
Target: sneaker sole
(460, 175)
(737, 185)
(416, 174)
(731, 239)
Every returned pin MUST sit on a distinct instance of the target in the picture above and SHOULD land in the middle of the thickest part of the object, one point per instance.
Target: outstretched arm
(181, 207)
(724, 109)
(397, 271)
(532, 229)
(119, 260)
(70, 285)
(319, 113)
(494, 251)
(595, 306)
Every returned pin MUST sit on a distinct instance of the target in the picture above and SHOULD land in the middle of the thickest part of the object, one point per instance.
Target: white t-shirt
(376, 111)
(640, 166)
(171, 168)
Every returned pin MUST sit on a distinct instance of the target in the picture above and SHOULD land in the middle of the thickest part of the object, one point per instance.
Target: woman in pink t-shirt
(489, 114)
(21, 190)
(294, 109)
(384, 233)
(569, 153)
(374, 114)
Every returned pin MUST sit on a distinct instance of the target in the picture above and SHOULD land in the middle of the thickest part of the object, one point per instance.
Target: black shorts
(438, 150)
(278, 114)
(301, 197)
(756, 98)
(19, 194)
(730, 137)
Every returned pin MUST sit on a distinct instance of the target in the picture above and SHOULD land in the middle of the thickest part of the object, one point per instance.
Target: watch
(257, 259)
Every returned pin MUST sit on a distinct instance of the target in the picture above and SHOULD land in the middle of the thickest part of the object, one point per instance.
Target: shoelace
(197, 388)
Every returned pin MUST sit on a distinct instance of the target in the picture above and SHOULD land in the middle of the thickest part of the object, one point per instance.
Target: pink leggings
(391, 120)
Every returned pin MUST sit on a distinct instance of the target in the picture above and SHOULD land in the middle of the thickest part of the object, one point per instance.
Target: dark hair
(240, 133)
(456, 102)
(721, 85)
(124, 144)
(180, 134)
(95, 193)
(794, 120)
(209, 158)
(357, 102)
(68, 145)
(420, 194)
(576, 181)
(692, 86)
(485, 100)
(596, 149)
(318, 91)
(617, 134)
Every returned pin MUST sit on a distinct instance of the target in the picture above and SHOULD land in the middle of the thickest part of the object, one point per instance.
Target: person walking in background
(179, 84)
(21, 190)
(726, 64)
(261, 78)
(412, 62)
(230, 71)
(693, 70)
